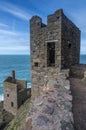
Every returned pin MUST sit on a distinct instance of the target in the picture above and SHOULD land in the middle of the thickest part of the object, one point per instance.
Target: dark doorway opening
(51, 54)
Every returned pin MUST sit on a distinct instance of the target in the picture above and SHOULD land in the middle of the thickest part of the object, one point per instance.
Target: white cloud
(16, 11)
(7, 32)
(12, 42)
(3, 25)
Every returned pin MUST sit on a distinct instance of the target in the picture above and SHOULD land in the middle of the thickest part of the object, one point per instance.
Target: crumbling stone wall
(15, 93)
(21, 84)
(66, 37)
(78, 71)
(22, 96)
(52, 110)
(70, 44)
(10, 98)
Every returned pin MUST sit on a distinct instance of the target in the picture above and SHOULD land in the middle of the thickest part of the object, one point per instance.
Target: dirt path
(78, 88)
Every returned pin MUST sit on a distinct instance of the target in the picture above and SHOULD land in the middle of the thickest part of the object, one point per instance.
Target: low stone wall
(78, 71)
(52, 109)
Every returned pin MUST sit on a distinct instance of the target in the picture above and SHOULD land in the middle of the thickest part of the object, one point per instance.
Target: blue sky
(15, 16)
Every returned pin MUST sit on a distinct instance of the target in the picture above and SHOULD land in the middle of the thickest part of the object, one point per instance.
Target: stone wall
(10, 97)
(78, 71)
(22, 96)
(40, 36)
(22, 91)
(21, 84)
(70, 44)
(15, 94)
(66, 37)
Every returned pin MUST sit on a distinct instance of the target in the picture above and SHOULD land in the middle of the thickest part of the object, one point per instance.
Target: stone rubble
(52, 109)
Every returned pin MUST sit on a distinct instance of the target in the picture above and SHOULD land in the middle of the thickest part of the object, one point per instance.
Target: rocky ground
(78, 88)
(52, 110)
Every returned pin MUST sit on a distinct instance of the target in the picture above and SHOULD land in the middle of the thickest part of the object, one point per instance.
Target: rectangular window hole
(36, 64)
(7, 95)
(12, 104)
(58, 17)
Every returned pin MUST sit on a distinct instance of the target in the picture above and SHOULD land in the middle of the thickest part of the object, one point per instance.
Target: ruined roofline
(51, 18)
(9, 79)
(12, 79)
(38, 19)
(58, 12)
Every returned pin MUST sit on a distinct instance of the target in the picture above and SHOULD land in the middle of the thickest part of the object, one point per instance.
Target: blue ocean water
(83, 59)
(19, 63)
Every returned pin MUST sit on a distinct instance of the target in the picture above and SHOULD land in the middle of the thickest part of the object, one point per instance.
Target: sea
(21, 65)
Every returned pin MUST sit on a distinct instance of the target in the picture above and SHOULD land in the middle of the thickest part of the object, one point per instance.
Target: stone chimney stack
(13, 75)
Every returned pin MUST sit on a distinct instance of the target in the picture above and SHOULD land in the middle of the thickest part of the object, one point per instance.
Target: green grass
(18, 122)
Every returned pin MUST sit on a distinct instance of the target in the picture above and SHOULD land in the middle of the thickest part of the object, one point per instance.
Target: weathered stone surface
(48, 109)
(15, 93)
(62, 33)
(38, 101)
(78, 70)
(51, 100)
(66, 125)
(55, 113)
(28, 123)
(55, 47)
(67, 87)
(42, 120)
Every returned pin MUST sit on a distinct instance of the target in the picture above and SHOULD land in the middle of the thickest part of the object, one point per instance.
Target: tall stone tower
(54, 46)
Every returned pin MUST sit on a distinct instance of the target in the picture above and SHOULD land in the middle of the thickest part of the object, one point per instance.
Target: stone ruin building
(15, 93)
(54, 47)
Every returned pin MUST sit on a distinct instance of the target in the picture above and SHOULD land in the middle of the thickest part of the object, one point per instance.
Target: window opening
(7, 95)
(69, 45)
(36, 64)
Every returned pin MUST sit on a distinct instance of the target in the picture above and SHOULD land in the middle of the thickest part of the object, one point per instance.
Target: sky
(15, 16)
